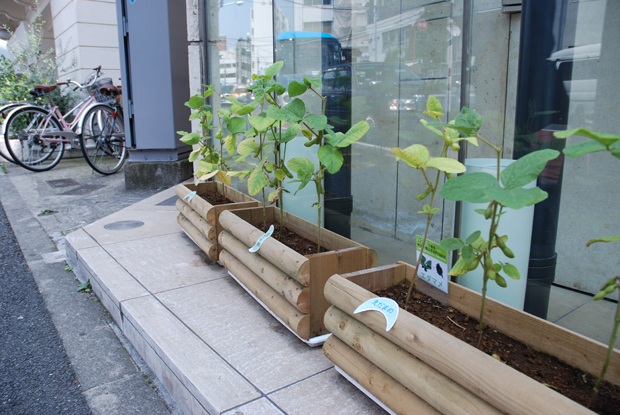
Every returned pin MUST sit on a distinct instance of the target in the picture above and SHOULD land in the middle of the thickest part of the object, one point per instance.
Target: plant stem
(317, 182)
(429, 218)
(610, 349)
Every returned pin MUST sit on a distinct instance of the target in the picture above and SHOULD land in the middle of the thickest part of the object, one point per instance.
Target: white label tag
(434, 265)
(261, 240)
(189, 196)
(386, 306)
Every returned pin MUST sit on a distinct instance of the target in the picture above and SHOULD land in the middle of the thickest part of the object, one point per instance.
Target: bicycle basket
(94, 90)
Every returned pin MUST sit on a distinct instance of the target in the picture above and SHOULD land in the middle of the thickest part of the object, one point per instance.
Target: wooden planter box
(199, 218)
(418, 368)
(288, 284)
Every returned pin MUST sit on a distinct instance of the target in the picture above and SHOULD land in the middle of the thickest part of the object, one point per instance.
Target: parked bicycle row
(36, 136)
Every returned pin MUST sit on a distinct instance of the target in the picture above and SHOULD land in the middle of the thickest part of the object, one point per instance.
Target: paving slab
(242, 332)
(562, 302)
(594, 320)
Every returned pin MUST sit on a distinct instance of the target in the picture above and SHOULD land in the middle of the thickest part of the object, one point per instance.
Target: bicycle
(35, 137)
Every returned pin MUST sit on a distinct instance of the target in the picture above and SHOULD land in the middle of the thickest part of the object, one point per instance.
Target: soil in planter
(548, 370)
(291, 239)
(215, 198)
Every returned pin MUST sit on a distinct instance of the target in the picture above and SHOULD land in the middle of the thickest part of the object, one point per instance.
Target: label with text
(434, 265)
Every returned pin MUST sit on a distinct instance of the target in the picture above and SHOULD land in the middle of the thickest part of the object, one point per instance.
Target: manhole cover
(123, 225)
(62, 183)
(83, 190)
(169, 202)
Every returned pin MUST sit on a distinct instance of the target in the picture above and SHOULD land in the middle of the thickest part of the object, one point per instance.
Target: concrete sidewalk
(210, 344)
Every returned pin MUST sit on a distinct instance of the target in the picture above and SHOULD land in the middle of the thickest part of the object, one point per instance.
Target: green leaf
(331, 158)
(318, 122)
(294, 111)
(446, 164)
(409, 158)
(291, 132)
(257, 181)
(295, 89)
(459, 268)
(195, 115)
(470, 119)
(527, 168)
(607, 239)
(274, 69)
(419, 151)
(584, 147)
(433, 104)
(280, 175)
(426, 208)
(222, 177)
(472, 140)
(451, 244)
(313, 82)
(433, 129)
(235, 125)
(205, 166)
(469, 187)
(512, 271)
(194, 155)
(231, 143)
(480, 211)
(517, 198)
(247, 146)
(603, 138)
(196, 102)
(247, 109)
(301, 166)
(261, 122)
(191, 138)
(472, 238)
(356, 132)
(435, 210)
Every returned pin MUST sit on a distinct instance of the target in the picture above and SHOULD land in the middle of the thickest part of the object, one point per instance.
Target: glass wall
(380, 60)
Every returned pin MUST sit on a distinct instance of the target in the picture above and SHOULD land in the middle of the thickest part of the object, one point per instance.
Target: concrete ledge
(156, 174)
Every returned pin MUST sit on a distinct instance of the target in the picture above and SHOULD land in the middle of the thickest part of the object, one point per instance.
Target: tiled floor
(213, 347)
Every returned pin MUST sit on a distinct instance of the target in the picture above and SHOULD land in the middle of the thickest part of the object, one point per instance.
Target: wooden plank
(488, 378)
(200, 240)
(296, 320)
(214, 214)
(233, 194)
(323, 266)
(378, 278)
(293, 264)
(389, 391)
(291, 290)
(198, 221)
(445, 395)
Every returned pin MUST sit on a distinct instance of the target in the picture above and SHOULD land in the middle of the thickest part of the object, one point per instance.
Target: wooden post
(439, 391)
(296, 320)
(503, 387)
(291, 290)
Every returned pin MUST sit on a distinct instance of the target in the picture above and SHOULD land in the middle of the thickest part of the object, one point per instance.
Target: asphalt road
(36, 376)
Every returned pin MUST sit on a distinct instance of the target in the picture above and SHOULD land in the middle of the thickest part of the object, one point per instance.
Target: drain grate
(83, 190)
(123, 225)
(168, 202)
(62, 183)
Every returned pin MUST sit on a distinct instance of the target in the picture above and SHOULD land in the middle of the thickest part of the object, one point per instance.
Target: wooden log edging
(293, 264)
(198, 221)
(207, 246)
(293, 318)
(430, 385)
(287, 287)
(503, 387)
(381, 385)
(198, 204)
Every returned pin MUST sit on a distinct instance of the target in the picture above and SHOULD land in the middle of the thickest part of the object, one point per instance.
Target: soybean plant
(418, 157)
(505, 190)
(316, 130)
(598, 142)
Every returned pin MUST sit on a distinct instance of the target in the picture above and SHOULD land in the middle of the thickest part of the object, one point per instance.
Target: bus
(305, 54)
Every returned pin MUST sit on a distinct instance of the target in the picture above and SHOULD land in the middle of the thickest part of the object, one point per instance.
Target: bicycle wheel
(29, 139)
(5, 110)
(103, 139)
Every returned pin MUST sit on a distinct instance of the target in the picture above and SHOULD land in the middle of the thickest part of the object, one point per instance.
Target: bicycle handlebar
(95, 76)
